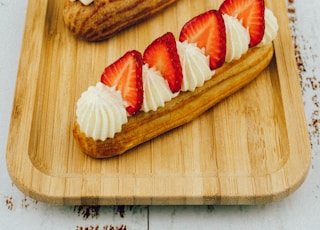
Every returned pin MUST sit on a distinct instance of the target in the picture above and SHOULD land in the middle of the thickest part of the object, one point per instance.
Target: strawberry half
(163, 55)
(250, 13)
(208, 31)
(125, 75)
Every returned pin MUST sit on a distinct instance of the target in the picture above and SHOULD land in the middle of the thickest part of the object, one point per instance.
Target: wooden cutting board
(251, 148)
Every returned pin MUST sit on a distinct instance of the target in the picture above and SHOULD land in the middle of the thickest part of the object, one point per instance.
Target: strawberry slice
(125, 75)
(163, 55)
(208, 31)
(250, 13)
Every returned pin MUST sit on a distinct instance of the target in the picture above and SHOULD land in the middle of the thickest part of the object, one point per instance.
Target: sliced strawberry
(163, 55)
(125, 75)
(250, 13)
(208, 31)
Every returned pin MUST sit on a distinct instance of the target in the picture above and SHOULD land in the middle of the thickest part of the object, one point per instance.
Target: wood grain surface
(251, 148)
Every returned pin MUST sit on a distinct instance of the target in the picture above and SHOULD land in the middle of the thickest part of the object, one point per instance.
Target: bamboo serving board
(251, 148)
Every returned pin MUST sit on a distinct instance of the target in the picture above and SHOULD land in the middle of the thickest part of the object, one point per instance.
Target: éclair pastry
(96, 20)
(214, 56)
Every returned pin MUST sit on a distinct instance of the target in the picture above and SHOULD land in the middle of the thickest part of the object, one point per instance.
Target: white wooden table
(300, 210)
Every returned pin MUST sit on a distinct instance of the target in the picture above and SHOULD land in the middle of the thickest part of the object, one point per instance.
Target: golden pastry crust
(103, 18)
(185, 107)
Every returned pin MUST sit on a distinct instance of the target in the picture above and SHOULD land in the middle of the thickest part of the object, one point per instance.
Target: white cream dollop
(155, 88)
(101, 112)
(84, 2)
(238, 38)
(195, 66)
(271, 28)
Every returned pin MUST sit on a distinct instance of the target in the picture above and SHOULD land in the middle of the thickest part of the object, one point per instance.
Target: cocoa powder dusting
(25, 203)
(87, 211)
(105, 227)
(9, 203)
(93, 212)
(308, 78)
(292, 21)
(121, 210)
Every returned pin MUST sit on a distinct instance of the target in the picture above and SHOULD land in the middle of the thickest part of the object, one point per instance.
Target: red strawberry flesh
(208, 31)
(125, 75)
(250, 13)
(163, 55)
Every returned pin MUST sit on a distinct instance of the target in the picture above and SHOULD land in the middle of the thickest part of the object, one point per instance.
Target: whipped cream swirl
(101, 112)
(238, 38)
(84, 2)
(271, 28)
(195, 66)
(156, 89)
